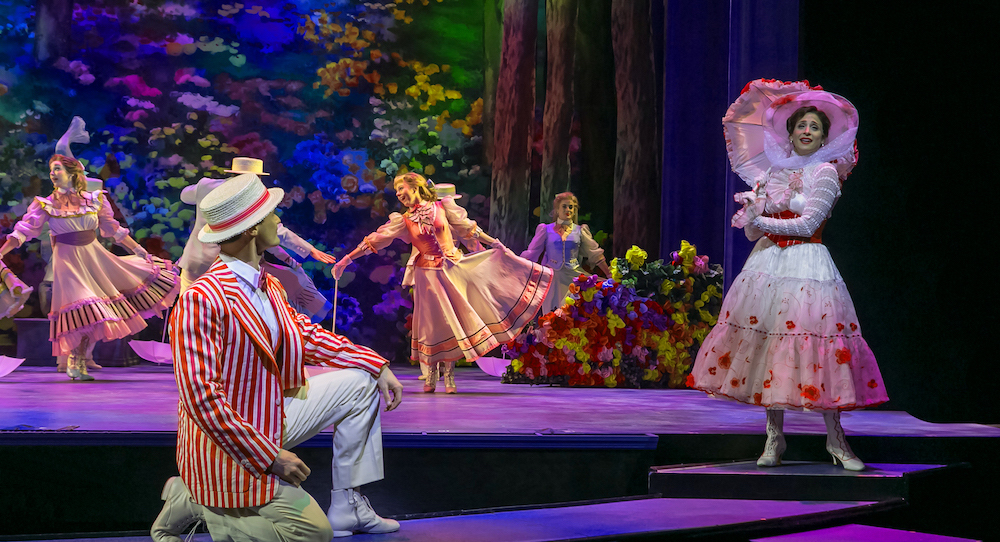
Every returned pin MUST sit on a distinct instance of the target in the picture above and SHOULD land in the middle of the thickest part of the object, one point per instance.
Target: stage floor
(144, 398)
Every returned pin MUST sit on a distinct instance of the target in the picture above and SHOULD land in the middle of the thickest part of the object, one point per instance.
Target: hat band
(243, 215)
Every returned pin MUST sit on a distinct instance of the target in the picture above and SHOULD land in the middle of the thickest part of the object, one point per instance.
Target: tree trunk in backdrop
(492, 48)
(637, 175)
(595, 86)
(515, 103)
(53, 19)
(557, 123)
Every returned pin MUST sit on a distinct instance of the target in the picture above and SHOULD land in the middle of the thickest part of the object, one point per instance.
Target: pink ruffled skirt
(101, 296)
(788, 336)
(465, 309)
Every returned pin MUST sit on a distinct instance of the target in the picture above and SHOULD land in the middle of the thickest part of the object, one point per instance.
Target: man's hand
(390, 388)
(322, 256)
(289, 468)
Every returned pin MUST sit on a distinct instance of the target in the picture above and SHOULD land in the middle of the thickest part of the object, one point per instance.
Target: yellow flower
(636, 257)
(687, 253)
(610, 381)
(517, 365)
(588, 294)
(666, 286)
(615, 274)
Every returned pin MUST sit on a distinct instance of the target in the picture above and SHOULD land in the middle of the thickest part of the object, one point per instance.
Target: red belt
(789, 240)
(77, 238)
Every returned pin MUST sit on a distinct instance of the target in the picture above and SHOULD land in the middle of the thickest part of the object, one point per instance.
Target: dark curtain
(712, 49)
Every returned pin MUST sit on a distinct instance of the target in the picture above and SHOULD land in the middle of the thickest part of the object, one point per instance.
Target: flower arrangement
(640, 328)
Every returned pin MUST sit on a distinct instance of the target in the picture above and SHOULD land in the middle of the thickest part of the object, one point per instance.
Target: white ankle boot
(836, 443)
(350, 512)
(775, 445)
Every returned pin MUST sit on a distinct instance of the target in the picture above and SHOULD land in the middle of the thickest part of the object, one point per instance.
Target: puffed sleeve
(589, 249)
(823, 192)
(395, 228)
(30, 225)
(458, 217)
(537, 245)
(106, 219)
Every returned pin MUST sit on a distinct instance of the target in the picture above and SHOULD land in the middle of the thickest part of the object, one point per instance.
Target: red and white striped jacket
(232, 382)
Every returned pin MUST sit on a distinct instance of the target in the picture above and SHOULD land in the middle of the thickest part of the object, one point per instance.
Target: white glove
(142, 253)
(340, 267)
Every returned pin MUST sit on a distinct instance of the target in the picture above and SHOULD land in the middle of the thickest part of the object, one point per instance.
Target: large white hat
(235, 206)
(247, 165)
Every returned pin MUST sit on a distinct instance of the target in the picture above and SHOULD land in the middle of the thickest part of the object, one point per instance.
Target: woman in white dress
(788, 336)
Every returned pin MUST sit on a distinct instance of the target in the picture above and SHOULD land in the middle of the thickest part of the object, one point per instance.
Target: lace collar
(68, 204)
(781, 157)
(423, 215)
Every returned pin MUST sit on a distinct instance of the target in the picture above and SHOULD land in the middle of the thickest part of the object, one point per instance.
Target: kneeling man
(239, 353)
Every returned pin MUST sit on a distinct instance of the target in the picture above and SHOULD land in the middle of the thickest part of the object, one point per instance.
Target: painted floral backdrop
(335, 96)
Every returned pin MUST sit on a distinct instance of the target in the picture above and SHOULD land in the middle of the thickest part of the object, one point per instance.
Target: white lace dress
(788, 335)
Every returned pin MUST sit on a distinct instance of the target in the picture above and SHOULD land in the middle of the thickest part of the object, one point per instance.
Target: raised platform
(100, 451)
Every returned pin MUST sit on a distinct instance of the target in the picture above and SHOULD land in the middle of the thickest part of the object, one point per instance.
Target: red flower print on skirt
(840, 327)
(757, 398)
(735, 382)
(725, 361)
(711, 371)
(810, 392)
(854, 327)
(843, 356)
(753, 320)
(872, 384)
(790, 324)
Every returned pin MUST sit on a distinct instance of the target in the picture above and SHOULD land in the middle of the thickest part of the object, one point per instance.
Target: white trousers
(347, 399)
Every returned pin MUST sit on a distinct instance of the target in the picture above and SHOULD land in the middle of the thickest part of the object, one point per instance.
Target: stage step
(793, 480)
(860, 533)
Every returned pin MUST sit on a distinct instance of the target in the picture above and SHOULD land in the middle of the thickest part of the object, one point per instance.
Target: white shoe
(179, 512)
(350, 512)
(836, 443)
(775, 445)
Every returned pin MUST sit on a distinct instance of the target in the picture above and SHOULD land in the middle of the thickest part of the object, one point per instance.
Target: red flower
(711, 371)
(767, 383)
(872, 384)
(757, 398)
(843, 356)
(790, 324)
(753, 320)
(840, 327)
(725, 361)
(854, 327)
(735, 382)
(689, 381)
(810, 392)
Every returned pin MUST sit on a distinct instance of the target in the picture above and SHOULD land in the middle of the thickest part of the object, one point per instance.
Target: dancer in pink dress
(788, 336)
(463, 305)
(96, 296)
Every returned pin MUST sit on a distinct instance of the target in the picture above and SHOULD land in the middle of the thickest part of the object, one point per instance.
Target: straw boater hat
(445, 190)
(236, 206)
(247, 165)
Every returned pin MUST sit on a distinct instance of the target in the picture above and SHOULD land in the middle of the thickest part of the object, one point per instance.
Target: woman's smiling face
(807, 136)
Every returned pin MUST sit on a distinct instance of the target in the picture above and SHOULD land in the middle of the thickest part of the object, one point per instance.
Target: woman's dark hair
(801, 112)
